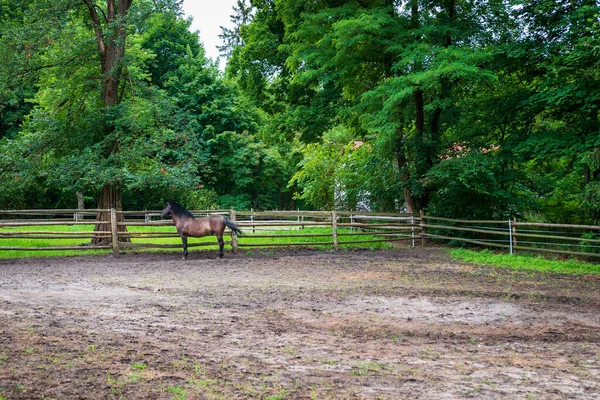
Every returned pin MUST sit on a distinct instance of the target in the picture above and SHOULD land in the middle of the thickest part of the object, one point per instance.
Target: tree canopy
(461, 108)
(122, 100)
(483, 108)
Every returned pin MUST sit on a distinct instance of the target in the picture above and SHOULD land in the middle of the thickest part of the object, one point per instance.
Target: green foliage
(18, 49)
(248, 175)
(71, 139)
(172, 44)
(315, 177)
(346, 174)
(558, 64)
(468, 184)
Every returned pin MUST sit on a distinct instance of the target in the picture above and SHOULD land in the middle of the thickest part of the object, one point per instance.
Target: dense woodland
(461, 108)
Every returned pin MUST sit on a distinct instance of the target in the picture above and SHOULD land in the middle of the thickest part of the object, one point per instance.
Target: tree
(163, 136)
(97, 123)
(232, 37)
(459, 106)
(111, 38)
(563, 46)
(400, 67)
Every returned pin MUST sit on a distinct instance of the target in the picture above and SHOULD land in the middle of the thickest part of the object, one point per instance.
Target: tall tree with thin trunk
(401, 67)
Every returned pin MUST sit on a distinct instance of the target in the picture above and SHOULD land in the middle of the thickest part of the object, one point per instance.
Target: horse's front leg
(185, 250)
(221, 244)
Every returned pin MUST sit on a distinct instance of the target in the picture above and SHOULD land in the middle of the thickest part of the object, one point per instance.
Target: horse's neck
(177, 220)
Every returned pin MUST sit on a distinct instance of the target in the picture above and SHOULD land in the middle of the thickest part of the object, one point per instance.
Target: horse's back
(199, 227)
(216, 223)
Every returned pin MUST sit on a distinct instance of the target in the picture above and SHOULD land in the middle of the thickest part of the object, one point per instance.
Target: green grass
(327, 232)
(246, 239)
(526, 262)
(34, 243)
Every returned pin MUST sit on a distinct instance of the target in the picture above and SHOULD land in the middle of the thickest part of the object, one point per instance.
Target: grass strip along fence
(24, 231)
(514, 236)
(50, 230)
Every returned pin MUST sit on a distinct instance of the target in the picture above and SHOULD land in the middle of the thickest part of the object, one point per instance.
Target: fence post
(514, 235)
(114, 232)
(234, 239)
(510, 237)
(334, 228)
(412, 224)
(423, 229)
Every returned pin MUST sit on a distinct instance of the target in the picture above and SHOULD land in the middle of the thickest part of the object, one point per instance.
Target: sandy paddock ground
(289, 324)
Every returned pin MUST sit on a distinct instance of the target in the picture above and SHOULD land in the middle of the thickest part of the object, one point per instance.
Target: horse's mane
(180, 211)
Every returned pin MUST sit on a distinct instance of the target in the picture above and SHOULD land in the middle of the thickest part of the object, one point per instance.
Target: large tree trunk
(409, 199)
(110, 197)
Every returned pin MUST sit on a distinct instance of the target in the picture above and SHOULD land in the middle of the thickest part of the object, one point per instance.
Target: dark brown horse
(187, 225)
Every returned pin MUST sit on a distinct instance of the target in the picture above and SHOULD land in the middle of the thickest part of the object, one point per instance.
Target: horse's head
(167, 211)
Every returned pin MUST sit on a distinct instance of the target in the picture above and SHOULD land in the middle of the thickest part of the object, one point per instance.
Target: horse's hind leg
(221, 244)
(185, 250)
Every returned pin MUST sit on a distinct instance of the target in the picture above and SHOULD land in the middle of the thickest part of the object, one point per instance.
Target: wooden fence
(13, 222)
(514, 236)
(263, 229)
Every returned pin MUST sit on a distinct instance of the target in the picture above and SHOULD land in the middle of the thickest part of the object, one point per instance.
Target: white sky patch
(209, 16)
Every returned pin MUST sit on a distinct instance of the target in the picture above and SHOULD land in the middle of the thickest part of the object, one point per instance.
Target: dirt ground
(288, 324)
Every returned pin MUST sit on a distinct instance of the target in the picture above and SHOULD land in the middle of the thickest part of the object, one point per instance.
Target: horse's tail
(232, 226)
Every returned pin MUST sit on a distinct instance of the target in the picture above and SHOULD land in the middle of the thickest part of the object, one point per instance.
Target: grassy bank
(526, 262)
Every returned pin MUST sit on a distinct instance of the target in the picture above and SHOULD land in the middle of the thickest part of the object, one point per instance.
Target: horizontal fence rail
(37, 236)
(344, 228)
(563, 239)
(132, 230)
(35, 230)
